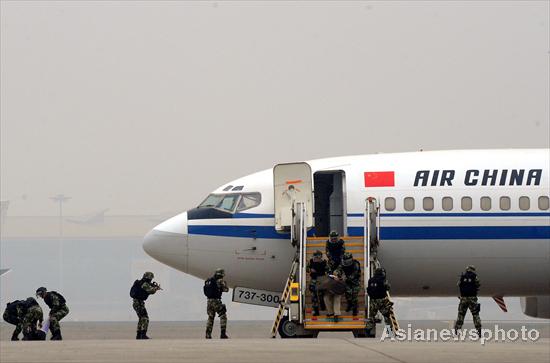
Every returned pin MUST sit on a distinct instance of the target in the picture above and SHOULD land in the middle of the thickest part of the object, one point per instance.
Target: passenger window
(544, 203)
(524, 203)
(447, 203)
(249, 201)
(408, 204)
(228, 202)
(485, 203)
(466, 203)
(505, 203)
(389, 204)
(428, 203)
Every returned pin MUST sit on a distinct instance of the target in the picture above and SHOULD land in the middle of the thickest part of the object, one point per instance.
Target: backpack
(211, 289)
(10, 314)
(468, 284)
(376, 288)
(137, 292)
(48, 299)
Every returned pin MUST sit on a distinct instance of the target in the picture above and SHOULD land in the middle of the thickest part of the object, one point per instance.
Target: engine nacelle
(536, 306)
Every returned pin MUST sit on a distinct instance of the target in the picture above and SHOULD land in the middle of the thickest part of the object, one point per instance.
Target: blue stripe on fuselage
(390, 233)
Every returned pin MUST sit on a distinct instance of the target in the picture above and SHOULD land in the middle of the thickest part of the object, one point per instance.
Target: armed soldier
(351, 271)
(140, 291)
(58, 309)
(13, 314)
(335, 250)
(469, 286)
(32, 321)
(213, 289)
(316, 268)
(377, 289)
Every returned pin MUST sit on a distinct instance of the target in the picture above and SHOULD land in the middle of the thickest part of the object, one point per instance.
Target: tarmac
(250, 342)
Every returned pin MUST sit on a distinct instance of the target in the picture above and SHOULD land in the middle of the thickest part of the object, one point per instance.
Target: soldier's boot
(144, 335)
(14, 337)
(479, 332)
(208, 334)
(316, 311)
(56, 335)
(223, 335)
(138, 335)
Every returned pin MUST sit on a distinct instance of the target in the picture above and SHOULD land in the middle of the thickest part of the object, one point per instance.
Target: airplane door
(292, 183)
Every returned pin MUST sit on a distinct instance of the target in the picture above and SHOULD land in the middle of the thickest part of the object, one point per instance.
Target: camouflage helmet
(41, 291)
(148, 275)
(347, 259)
(318, 253)
(220, 272)
(470, 268)
(333, 235)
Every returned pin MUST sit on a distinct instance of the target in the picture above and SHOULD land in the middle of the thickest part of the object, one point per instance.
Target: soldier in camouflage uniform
(469, 286)
(316, 268)
(140, 292)
(215, 306)
(351, 270)
(377, 289)
(14, 313)
(32, 318)
(335, 250)
(58, 310)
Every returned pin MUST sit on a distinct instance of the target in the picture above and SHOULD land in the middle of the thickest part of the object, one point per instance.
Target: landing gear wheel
(287, 328)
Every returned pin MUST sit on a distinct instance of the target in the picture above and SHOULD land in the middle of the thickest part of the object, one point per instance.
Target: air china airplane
(439, 212)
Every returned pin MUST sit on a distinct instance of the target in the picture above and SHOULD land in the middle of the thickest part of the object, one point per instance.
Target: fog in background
(137, 110)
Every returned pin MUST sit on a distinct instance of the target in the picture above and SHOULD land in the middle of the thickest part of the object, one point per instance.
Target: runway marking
(374, 350)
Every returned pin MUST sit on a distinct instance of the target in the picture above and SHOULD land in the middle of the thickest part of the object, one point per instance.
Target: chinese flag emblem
(379, 179)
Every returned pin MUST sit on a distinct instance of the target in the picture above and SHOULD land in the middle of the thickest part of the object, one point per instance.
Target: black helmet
(41, 291)
(220, 272)
(333, 235)
(347, 259)
(317, 254)
(380, 272)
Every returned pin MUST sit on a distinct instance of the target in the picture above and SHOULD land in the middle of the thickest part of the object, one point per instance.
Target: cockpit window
(249, 201)
(227, 202)
(211, 201)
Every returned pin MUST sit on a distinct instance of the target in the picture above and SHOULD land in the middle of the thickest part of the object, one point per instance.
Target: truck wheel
(287, 328)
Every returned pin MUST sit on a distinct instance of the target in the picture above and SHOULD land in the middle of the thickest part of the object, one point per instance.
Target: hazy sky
(145, 107)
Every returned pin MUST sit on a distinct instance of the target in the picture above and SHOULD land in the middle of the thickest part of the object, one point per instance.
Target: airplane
(439, 211)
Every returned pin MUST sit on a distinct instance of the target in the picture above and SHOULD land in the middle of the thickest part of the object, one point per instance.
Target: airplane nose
(168, 242)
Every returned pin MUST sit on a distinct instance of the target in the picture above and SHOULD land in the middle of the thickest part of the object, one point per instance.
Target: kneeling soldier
(31, 320)
(14, 313)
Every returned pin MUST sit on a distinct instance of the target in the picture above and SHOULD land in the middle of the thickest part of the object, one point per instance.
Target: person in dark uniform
(469, 286)
(351, 270)
(377, 289)
(335, 250)
(316, 268)
(140, 291)
(58, 309)
(213, 289)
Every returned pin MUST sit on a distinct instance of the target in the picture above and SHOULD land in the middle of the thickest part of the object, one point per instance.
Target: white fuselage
(488, 208)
